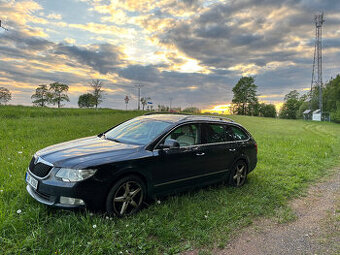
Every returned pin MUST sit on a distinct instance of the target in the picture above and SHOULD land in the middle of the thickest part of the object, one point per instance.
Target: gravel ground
(316, 229)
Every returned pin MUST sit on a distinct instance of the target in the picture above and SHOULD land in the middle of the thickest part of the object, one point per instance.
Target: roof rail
(189, 115)
(151, 113)
(212, 116)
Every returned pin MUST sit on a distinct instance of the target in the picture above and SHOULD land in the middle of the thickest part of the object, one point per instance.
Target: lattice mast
(317, 62)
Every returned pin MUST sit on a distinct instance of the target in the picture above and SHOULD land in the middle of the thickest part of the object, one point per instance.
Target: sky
(192, 51)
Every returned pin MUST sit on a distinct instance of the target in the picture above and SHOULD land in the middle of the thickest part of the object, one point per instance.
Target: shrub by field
(292, 154)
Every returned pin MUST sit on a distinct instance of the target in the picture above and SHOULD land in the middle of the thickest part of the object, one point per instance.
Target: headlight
(74, 175)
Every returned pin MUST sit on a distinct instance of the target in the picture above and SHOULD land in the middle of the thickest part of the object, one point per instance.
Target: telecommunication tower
(317, 62)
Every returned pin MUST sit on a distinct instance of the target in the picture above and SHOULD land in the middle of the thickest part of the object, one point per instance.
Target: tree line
(295, 103)
(245, 100)
(56, 93)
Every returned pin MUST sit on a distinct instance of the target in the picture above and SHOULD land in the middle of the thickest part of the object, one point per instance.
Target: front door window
(186, 135)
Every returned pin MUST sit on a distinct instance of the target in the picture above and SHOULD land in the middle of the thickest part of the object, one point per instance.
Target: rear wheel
(126, 196)
(238, 175)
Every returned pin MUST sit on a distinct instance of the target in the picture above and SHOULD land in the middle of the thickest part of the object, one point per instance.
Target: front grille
(31, 166)
(40, 169)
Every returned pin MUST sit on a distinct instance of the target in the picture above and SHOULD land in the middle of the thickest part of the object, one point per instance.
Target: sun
(220, 109)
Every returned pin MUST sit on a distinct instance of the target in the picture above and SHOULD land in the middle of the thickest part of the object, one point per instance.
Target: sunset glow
(220, 109)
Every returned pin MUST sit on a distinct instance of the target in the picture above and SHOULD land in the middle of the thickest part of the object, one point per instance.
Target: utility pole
(139, 86)
(3, 27)
(170, 99)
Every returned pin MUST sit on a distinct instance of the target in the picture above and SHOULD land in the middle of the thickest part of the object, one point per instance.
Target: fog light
(71, 201)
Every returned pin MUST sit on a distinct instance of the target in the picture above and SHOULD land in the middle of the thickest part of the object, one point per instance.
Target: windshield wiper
(115, 140)
(111, 139)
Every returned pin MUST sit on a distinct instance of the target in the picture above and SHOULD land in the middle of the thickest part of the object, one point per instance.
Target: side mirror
(170, 144)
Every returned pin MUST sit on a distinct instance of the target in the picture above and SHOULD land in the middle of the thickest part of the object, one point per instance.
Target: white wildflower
(159, 202)
(1, 191)
(94, 226)
(206, 216)
(18, 211)
(20, 152)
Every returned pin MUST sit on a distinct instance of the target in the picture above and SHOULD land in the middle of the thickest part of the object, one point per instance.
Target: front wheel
(238, 174)
(126, 196)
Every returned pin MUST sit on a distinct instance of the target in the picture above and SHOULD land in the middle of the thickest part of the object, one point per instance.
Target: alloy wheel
(127, 198)
(240, 174)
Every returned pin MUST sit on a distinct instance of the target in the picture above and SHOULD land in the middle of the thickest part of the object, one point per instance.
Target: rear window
(239, 134)
(215, 133)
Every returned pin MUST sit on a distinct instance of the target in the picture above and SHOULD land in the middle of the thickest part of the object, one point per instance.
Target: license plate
(31, 181)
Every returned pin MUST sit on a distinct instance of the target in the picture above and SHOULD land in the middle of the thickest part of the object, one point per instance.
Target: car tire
(238, 174)
(126, 196)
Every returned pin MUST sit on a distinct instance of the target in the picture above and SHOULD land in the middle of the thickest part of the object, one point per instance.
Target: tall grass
(292, 155)
(16, 112)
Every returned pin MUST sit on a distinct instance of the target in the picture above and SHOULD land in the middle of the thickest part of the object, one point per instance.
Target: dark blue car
(143, 158)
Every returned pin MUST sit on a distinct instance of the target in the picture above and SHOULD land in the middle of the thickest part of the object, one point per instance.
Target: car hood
(79, 151)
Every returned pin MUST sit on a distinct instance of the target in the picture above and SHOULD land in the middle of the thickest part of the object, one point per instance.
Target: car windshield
(137, 131)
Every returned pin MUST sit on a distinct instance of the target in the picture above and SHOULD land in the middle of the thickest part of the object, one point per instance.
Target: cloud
(103, 57)
(56, 16)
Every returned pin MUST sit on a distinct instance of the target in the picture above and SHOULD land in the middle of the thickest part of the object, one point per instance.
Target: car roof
(178, 118)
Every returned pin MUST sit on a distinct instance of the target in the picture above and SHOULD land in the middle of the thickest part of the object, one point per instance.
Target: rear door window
(217, 133)
(239, 134)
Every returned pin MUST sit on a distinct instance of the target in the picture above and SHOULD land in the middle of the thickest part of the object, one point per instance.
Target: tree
(86, 100)
(97, 91)
(42, 96)
(163, 108)
(245, 99)
(331, 98)
(58, 93)
(5, 95)
(191, 110)
(144, 101)
(267, 110)
(292, 104)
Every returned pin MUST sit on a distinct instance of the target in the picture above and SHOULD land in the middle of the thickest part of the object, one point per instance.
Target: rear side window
(216, 133)
(239, 134)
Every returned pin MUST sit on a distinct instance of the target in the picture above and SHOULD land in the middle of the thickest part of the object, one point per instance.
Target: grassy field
(292, 154)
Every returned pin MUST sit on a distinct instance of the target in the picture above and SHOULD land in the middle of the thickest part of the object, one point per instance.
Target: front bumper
(49, 200)
(50, 190)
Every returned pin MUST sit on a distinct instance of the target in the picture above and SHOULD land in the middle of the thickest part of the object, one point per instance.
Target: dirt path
(315, 231)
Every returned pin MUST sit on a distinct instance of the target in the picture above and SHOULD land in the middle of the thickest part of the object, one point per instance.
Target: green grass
(292, 154)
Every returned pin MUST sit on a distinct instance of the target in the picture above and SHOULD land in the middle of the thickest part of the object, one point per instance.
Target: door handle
(200, 154)
(231, 149)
